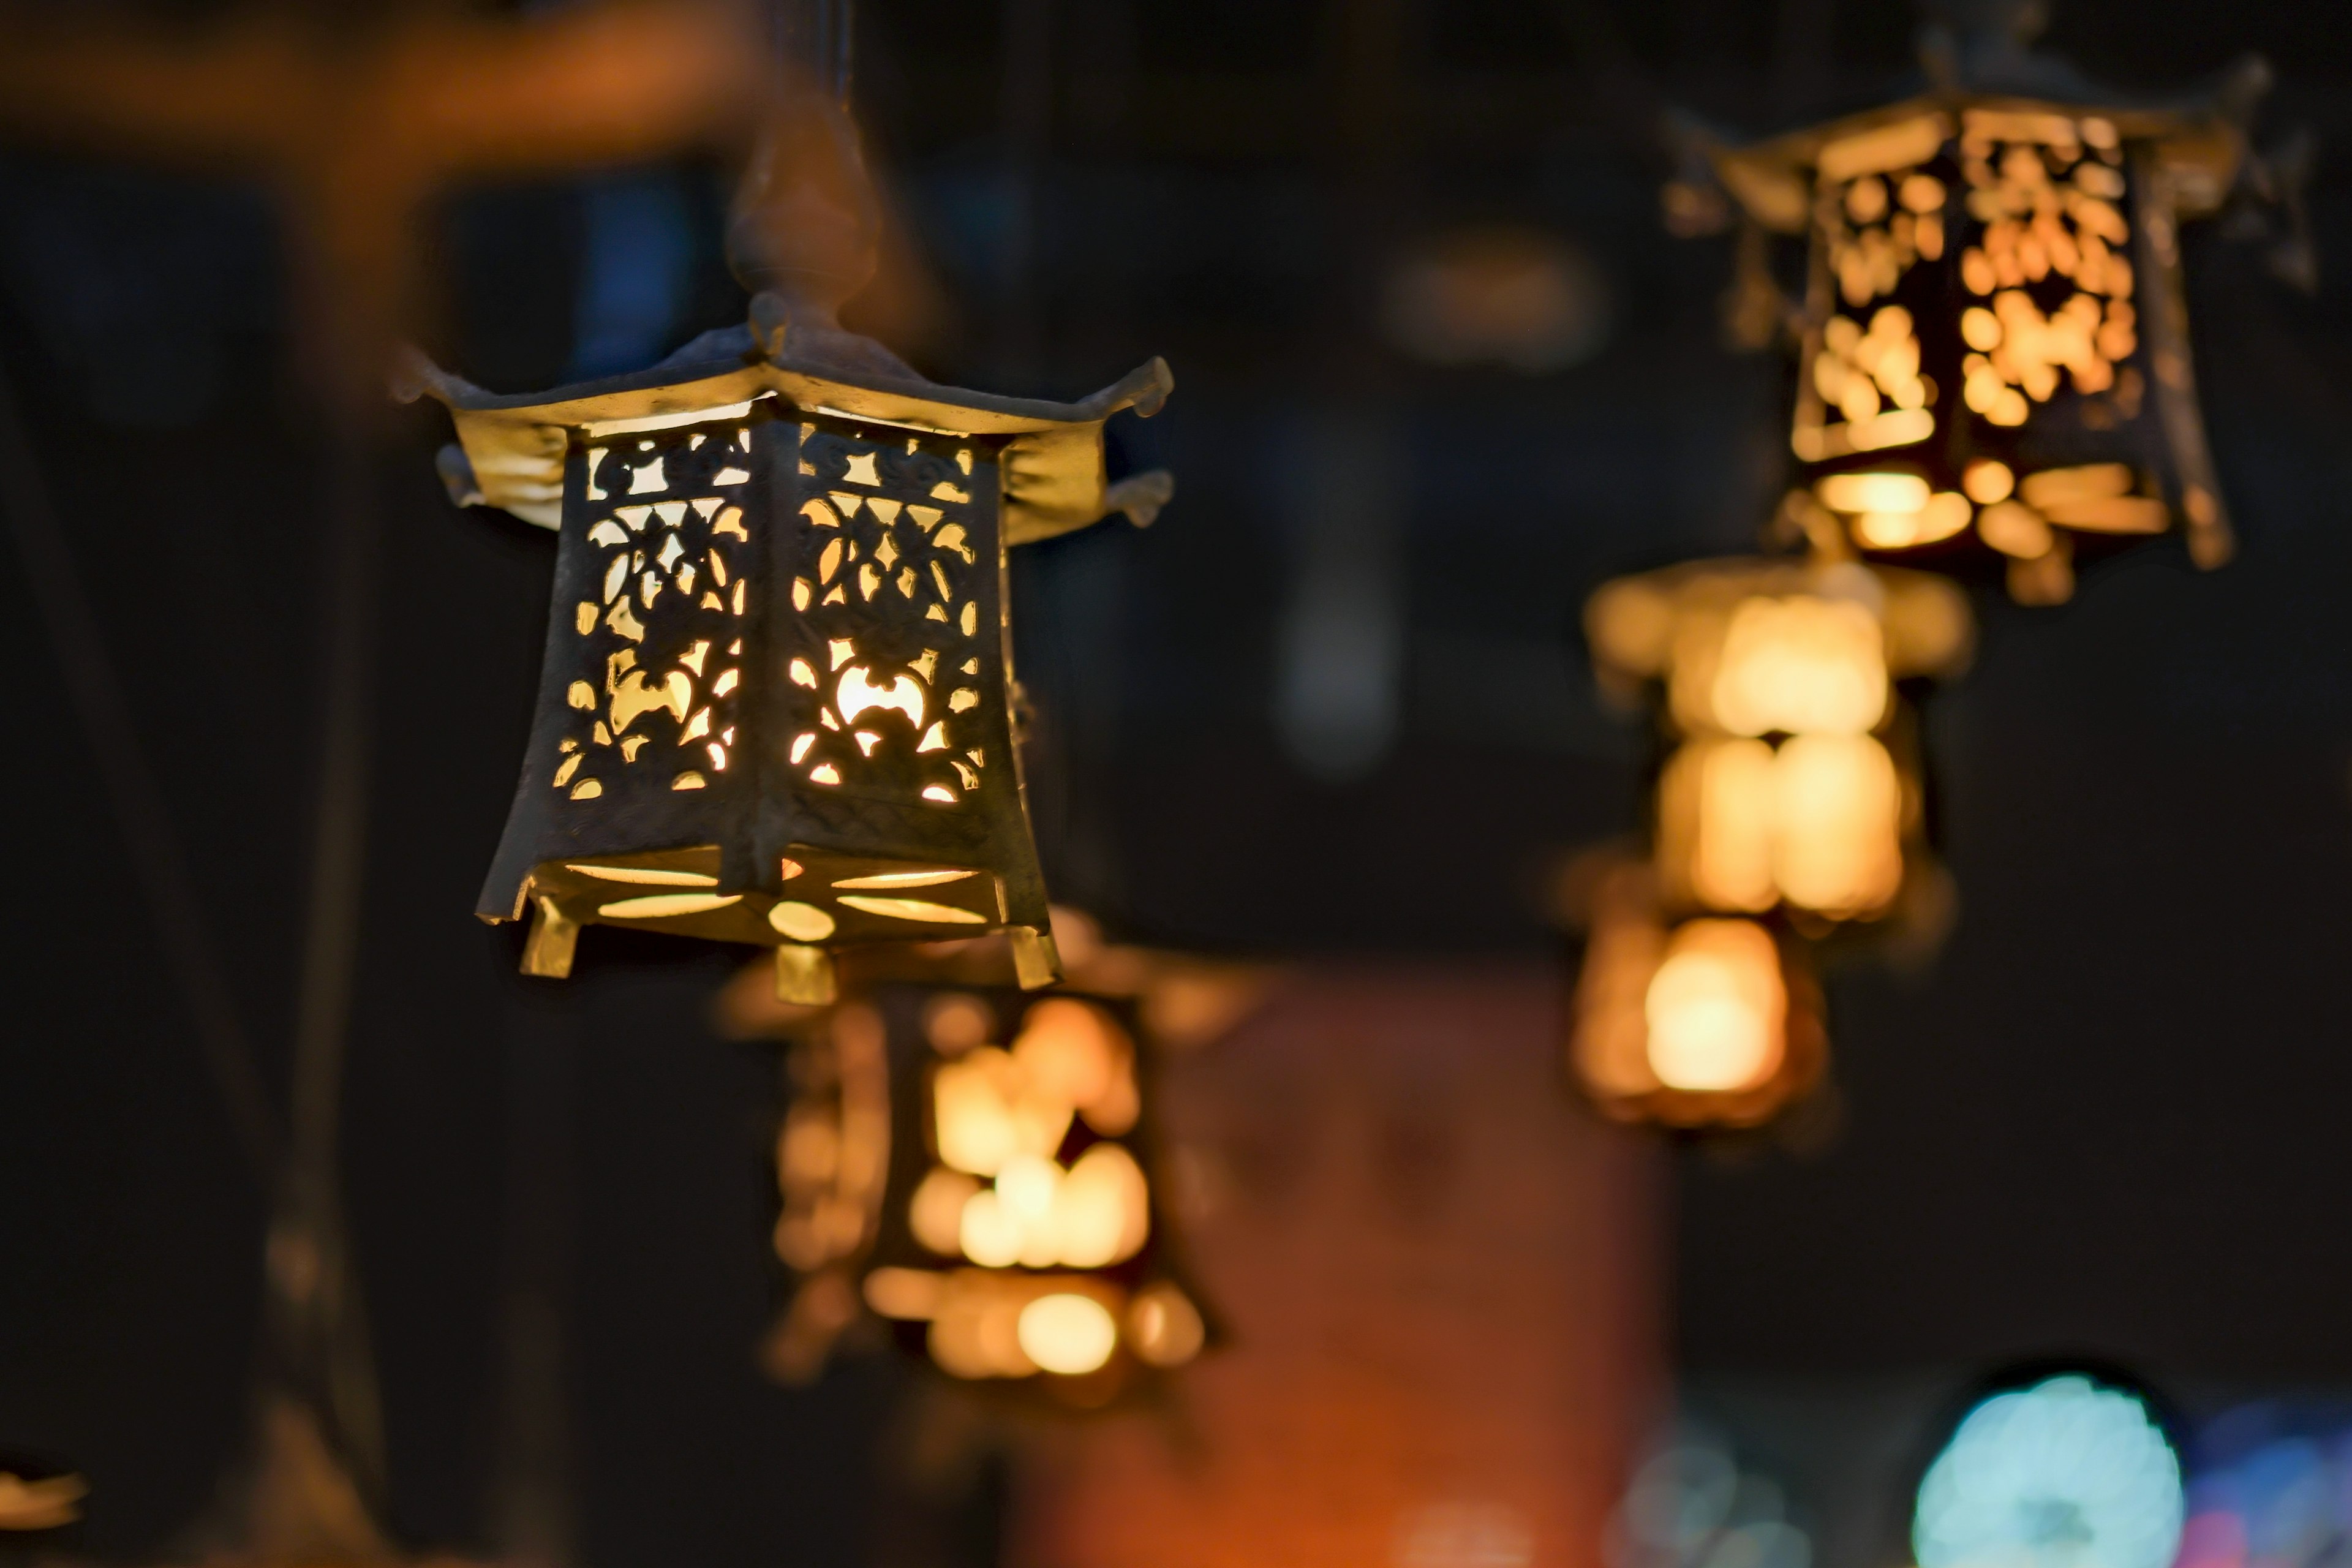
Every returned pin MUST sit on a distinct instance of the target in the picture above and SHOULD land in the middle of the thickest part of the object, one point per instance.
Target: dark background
(2108, 1116)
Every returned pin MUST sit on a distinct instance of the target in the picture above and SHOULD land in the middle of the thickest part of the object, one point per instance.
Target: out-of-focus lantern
(1707, 1022)
(777, 704)
(1995, 351)
(1787, 810)
(998, 1211)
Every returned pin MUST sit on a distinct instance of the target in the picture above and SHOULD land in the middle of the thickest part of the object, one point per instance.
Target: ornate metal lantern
(1995, 358)
(1788, 812)
(1000, 1212)
(778, 703)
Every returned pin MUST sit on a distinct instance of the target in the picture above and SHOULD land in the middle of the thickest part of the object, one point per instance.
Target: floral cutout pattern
(891, 596)
(671, 598)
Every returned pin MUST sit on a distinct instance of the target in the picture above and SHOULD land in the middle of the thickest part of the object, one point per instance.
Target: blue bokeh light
(2066, 1474)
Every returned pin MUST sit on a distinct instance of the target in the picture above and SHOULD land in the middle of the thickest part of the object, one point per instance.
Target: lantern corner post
(554, 934)
(1037, 962)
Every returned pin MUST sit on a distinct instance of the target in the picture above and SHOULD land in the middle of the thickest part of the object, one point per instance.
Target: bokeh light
(2068, 1473)
(1715, 1008)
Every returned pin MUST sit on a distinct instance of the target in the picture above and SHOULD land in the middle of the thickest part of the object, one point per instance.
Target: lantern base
(823, 899)
(804, 976)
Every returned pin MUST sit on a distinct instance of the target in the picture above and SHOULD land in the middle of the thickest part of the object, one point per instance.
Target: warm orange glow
(2052, 485)
(1805, 664)
(1631, 624)
(1817, 823)
(913, 908)
(1102, 1210)
(975, 1332)
(799, 922)
(902, 878)
(936, 1213)
(1872, 492)
(664, 906)
(1988, 481)
(986, 1324)
(2016, 529)
(982, 1114)
(1716, 821)
(1076, 1051)
(1164, 1326)
(1837, 809)
(1609, 1042)
(1068, 1333)
(1780, 679)
(1037, 1215)
(2112, 514)
(1005, 1114)
(40, 1504)
(1027, 1186)
(1715, 1008)
(956, 1022)
(904, 1293)
(643, 874)
(990, 1232)
(1945, 514)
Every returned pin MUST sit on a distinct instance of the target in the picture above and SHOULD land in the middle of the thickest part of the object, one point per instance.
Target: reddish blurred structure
(1443, 1285)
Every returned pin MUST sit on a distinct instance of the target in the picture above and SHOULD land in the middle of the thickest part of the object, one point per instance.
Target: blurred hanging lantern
(1995, 360)
(1787, 814)
(777, 704)
(1503, 295)
(40, 1509)
(972, 1168)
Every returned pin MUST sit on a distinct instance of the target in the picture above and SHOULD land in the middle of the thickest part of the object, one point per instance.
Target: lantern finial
(802, 239)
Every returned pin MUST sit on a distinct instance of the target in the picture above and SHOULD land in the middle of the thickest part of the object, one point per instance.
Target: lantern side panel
(635, 740)
(883, 710)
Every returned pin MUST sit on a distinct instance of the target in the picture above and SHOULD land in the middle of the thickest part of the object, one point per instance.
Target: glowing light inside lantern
(1717, 1007)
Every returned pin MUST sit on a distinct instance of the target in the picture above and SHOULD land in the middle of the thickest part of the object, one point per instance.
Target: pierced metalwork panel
(650, 630)
(891, 719)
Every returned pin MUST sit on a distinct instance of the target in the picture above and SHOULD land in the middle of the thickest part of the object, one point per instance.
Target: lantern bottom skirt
(822, 900)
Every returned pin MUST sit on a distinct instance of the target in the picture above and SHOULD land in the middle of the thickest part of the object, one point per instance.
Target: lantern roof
(1633, 621)
(513, 445)
(2197, 138)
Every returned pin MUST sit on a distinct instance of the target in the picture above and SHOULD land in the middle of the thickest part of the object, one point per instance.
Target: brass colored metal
(1034, 960)
(804, 976)
(547, 952)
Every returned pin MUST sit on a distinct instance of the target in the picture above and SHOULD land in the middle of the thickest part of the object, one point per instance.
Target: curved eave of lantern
(2198, 146)
(1631, 622)
(1055, 481)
